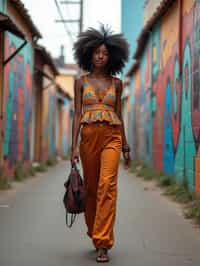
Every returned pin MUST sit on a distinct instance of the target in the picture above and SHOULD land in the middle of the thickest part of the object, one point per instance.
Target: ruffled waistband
(94, 115)
(95, 107)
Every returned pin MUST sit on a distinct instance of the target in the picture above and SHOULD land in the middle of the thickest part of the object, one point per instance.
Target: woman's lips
(99, 62)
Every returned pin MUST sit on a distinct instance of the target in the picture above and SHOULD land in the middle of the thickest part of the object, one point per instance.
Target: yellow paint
(154, 54)
(137, 81)
(15, 116)
(169, 33)
(187, 5)
(67, 83)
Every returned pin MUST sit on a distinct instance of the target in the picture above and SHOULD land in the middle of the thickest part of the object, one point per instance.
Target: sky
(44, 13)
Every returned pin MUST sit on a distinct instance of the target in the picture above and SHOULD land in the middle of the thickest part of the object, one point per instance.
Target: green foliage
(143, 170)
(165, 181)
(20, 172)
(42, 167)
(4, 183)
(185, 182)
(66, 157)
(193, 210)
(51, 161)
(179, 193)
(136, 166)
(31, 171)
(147, 173)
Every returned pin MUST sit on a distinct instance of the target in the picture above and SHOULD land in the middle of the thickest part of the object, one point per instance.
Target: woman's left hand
(127, 160)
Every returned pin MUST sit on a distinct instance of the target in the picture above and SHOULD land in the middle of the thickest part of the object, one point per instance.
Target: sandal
(102, 255)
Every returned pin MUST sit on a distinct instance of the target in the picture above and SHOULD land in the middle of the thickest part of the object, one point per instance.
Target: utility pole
(81, 17)
(79, 20)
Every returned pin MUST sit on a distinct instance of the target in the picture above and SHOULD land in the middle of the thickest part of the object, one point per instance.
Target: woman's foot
(102, 255)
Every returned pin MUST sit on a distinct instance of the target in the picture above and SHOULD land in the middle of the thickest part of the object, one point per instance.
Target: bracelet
(126, 148)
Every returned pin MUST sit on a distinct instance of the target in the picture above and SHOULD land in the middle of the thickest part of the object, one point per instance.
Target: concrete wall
(166, 106)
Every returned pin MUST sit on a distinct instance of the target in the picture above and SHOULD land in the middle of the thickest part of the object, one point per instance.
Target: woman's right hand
(75, 155)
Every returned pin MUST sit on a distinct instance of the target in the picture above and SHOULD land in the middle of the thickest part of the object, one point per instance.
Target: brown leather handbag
(74, 197)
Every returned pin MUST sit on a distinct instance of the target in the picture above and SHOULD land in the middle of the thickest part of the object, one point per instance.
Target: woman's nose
(100, 55)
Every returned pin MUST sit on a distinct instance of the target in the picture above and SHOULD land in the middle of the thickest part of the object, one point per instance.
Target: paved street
(150, 229)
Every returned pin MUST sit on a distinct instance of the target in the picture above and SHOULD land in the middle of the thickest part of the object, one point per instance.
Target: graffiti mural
(48, 123)
(66, 127)
(18, 102)
(170, 110)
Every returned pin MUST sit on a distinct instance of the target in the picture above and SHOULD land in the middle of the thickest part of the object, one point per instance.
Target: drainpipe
(180, 4)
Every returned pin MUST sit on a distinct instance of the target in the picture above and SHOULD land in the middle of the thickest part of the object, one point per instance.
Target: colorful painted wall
(149, 8)
(48, 145)
(17, 103)
(66, 140)
(166, 96)
(2, 5)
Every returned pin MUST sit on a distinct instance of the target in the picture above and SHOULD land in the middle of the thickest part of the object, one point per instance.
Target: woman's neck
(99, 73)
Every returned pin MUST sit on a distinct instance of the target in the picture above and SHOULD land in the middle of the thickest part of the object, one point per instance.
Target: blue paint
(168, 152)
(176, 78)
(185, 154)
(156, 48)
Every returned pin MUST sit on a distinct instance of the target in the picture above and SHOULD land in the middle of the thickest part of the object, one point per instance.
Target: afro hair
(90, 39)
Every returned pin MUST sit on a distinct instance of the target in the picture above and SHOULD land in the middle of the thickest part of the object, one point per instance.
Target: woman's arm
(125, 146)
(76, 119)
(119, 88)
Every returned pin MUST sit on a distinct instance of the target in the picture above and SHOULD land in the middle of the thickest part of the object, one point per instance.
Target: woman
(98, 110)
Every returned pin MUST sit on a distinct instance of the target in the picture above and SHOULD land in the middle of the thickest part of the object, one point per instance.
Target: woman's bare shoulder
(81, 79)
(118, 82)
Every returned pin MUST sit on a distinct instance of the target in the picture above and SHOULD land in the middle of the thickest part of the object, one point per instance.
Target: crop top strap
(113, 82)
(85, 79)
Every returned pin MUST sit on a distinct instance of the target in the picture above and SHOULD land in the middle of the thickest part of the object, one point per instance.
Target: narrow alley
(150, 229)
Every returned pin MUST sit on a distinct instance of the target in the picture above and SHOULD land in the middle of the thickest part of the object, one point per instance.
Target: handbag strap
(74, 166)
(72, 220)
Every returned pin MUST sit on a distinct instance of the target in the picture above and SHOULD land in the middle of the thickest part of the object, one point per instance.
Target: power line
(70, 14)
(62, 20)
(80, 20)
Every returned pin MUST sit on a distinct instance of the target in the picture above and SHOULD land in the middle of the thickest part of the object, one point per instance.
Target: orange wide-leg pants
(100, 148)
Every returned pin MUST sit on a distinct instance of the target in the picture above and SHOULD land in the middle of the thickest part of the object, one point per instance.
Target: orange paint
(187, 6)
(100, 149)
(137, 82)
(169, 33)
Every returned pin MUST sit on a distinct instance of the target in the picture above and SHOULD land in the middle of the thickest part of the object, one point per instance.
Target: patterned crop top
(99, 107)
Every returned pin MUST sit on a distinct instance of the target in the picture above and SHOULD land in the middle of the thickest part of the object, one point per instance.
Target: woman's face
(100, 56)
